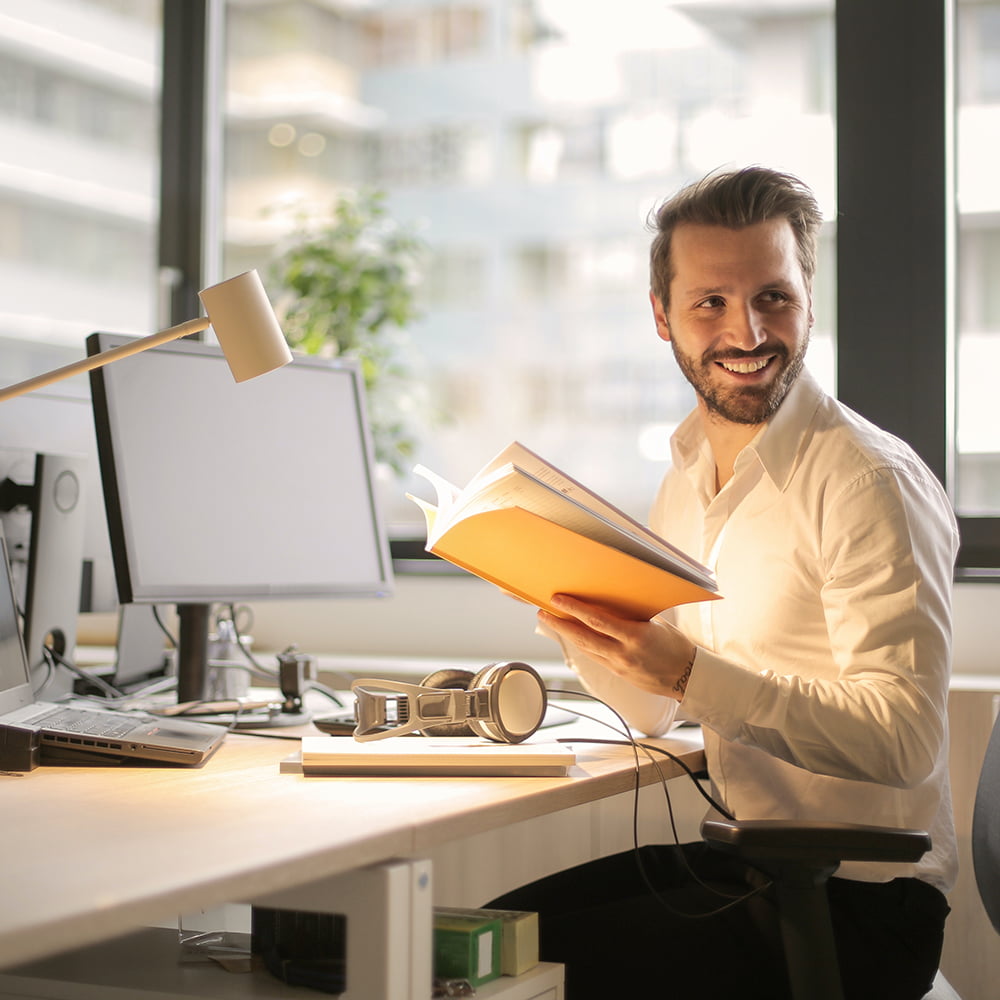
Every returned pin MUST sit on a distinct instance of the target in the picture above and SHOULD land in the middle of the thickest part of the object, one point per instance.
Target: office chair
(800, 857)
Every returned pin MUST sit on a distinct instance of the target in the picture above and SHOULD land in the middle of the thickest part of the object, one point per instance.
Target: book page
(447, 494)
(454, 504)
(532, 463)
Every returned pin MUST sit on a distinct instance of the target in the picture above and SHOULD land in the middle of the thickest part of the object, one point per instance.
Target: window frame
(896, 236)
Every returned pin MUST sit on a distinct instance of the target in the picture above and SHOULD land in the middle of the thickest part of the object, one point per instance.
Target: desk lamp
(243, 320)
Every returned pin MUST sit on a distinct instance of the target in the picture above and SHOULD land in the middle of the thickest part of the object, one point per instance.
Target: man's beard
(750, 405)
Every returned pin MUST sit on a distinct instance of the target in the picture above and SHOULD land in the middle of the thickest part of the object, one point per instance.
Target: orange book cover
(533, 531)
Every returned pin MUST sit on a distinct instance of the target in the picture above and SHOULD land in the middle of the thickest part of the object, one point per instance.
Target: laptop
(36, 732)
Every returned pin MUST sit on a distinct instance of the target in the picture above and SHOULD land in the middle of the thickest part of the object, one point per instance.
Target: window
(528, 142)
(79, 93)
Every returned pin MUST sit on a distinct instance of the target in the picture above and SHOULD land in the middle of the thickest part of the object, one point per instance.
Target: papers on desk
(435, 756)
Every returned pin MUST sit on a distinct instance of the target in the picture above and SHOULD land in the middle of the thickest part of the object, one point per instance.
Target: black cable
(256, 734)
(171, 638)
(52, 657)
(50, 669)
(646, 746)
(678, 761)
(329, 692)
(733, 900)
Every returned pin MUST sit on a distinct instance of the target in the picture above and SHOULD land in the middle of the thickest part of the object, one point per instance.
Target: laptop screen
(15, 682)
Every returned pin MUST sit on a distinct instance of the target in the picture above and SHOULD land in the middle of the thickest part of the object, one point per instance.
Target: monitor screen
(220, 492)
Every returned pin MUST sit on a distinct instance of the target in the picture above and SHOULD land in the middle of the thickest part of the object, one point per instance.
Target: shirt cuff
(719, 693)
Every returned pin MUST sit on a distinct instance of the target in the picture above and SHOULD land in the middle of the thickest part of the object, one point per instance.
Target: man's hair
(735, 199)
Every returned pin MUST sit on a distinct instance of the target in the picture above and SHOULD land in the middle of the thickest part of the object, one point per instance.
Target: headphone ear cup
(517, 701)
(449, 677)
(481, 677)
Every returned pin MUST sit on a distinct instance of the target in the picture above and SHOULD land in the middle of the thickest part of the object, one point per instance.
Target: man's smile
(746, 367)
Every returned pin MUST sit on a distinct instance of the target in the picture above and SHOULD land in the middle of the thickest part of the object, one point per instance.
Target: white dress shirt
(821, 677)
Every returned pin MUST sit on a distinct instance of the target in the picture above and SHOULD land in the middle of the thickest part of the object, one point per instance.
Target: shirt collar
(775, 447)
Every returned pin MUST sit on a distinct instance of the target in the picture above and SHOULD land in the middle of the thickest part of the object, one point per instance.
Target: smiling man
(821, 678)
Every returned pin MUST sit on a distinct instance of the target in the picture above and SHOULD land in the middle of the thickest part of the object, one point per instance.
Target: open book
(527, 527)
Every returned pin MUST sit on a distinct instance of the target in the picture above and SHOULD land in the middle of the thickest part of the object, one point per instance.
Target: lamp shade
(239, 312)
(246, 326)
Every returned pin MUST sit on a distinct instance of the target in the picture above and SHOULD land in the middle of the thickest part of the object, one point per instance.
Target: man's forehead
(697, 247)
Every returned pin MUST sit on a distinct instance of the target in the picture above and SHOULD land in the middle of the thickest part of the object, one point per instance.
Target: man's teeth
(745, 367)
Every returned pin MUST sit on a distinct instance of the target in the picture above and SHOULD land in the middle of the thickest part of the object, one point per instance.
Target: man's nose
(747, 329)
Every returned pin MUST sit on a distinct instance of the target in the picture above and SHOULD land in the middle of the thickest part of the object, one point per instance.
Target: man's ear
(660, 316)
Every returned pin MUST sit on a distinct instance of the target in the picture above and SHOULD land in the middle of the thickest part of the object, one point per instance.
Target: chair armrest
(806, 842)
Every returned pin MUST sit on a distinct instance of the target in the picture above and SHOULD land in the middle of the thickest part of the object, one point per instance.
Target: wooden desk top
(87, 853)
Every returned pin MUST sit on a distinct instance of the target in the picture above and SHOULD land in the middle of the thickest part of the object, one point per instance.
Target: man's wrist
(680, 685)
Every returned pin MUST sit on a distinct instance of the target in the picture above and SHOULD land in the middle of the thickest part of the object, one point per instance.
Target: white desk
(87, 854)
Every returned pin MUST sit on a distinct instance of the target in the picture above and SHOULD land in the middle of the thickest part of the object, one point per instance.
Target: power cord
(649, 750)
(53, 658)
(257, 669)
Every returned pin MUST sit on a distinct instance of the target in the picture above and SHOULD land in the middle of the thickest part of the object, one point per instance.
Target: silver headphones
(504, 702)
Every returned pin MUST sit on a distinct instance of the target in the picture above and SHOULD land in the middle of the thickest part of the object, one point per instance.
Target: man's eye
(712, 302)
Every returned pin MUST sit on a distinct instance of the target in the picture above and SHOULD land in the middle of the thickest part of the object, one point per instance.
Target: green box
(467, 947)
(519, 951)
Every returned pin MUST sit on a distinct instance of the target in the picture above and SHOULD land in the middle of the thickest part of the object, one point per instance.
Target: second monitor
(222, 492)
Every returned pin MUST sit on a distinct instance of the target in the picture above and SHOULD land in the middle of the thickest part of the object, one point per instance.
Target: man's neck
(727, 440)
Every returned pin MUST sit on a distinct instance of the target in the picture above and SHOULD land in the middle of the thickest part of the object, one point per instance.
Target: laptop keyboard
(79, 720)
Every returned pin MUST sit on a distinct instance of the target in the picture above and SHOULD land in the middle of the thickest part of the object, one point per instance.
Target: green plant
(347, 287)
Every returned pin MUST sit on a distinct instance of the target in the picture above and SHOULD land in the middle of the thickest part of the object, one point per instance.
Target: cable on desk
(258, 670)
(648, 749)
(52, 658)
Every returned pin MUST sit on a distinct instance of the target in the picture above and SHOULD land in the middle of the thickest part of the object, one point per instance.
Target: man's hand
(653, 656)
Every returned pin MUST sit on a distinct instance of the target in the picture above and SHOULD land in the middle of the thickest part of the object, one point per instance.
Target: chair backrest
(986, 829)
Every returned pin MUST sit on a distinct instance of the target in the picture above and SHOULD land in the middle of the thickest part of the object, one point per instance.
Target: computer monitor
(218, 492)
(52, 510)
(42, 507)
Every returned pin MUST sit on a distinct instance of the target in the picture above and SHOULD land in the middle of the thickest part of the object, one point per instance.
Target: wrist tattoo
(680, 685)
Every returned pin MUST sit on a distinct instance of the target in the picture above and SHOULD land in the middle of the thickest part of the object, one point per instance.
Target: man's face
(739, 316)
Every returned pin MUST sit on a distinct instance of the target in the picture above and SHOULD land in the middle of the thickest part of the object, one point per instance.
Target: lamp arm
(99, 360)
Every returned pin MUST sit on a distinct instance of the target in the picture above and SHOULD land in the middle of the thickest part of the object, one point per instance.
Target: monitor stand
(192, 651)
(192, 670)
